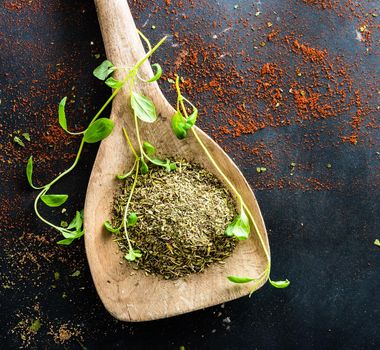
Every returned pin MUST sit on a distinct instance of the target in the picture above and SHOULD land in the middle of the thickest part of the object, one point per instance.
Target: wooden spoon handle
(121, 40)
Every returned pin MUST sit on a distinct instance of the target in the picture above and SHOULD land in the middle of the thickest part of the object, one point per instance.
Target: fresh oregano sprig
(181, 123)
(144, 110)
(97, 130)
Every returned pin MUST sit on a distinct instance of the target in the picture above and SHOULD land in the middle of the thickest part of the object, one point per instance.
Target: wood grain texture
(130, 295)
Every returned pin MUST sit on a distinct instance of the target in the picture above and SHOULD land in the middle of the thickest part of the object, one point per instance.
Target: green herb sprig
(181, 123)
(144, 110)
(97, 130)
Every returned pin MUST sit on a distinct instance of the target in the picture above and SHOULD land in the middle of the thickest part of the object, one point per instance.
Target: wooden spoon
(131, 295)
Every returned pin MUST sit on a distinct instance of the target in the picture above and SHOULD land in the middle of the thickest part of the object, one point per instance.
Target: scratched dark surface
(321, 236)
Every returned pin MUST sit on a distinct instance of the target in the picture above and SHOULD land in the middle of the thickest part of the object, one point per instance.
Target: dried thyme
(182, 219)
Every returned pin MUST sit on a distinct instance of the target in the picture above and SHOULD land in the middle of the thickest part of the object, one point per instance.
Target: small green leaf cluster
(239, 227)
(97, 130)
(20, 138)
(75, 229)
(131, 221)
(182, 121)
(144, 110)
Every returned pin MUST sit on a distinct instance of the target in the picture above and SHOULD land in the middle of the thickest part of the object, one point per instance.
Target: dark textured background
(321, 237)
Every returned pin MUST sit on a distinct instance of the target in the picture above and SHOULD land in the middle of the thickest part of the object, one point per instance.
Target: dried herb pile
(182, 219)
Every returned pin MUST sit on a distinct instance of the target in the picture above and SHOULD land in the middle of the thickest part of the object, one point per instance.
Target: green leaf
(169, 166)
(178, 124)
(143, 107)
(157, 75)
(377, 242)
(17, 140)
(133, 255)
(26, 136)
(113, 83)
(149, 149)
(132, 219)
(164, 163)
(54, 200)
(122, 176)
(104, 70)
(279, 284)
(64, 224)
(239, 227)
(61, 114)
(75, 273)
(143, 167)
(75, 227)
(66, 241)
(77, 222)
(29, 171)
(72, 234)
(191, 120)
(110, 228)
(159, 162)
(237, 279)
(99, 130)
(35, 326)
(261, 169)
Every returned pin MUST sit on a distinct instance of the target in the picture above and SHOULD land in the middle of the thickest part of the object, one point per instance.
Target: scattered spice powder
(304, 83)
(65, 333)
(19, 5)
(340, 113)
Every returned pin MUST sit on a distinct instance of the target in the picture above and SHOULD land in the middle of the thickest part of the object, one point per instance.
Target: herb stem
(38, 213)
(127, 207)
(72, 165)
(76, 133)
(235, 191)
(179, 95)
(150, 53)
(36, 187)
(262, 277)
(181, 98)
(184, 98)
(114, 93)
(101, 74)
(47, 187)
(146, 156)
(130, 143)
(145, 39)
(138, 135)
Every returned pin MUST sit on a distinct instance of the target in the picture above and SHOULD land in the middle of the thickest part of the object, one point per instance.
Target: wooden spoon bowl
(131, 295)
